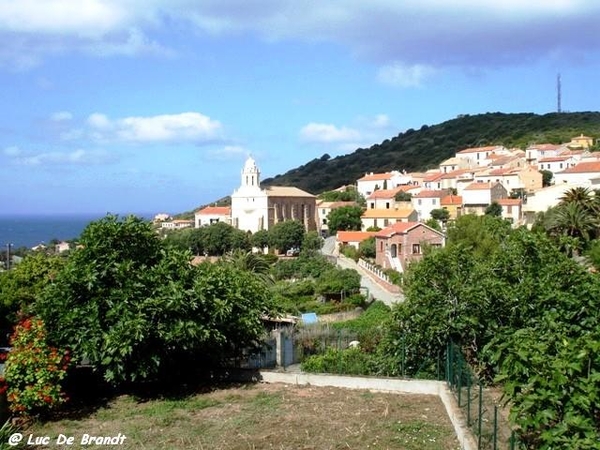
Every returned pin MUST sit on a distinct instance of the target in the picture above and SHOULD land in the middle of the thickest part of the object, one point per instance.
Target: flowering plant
(34, 370)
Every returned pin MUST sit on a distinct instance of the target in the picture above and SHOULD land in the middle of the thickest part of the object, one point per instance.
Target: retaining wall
(423, 387)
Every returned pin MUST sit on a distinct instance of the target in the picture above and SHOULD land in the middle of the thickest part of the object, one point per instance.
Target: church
(254, 208)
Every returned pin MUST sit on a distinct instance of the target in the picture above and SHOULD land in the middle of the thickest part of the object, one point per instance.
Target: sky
(148, 106)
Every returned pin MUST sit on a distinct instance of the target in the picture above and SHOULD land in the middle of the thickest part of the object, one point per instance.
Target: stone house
(402, 243)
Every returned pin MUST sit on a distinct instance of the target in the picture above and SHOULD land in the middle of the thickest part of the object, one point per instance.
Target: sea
(29, 231)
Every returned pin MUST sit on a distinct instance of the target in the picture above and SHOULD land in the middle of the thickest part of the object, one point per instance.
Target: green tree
(402, 196)
(20, 286)
(546, 177)
(286, 235)
(367, 248)
(494, 210)
(138, 311)
(254, 263)
(335, 281)
(431, 222)
(220, 238)
(260, 239)
(312, 242)
(345, 218)
(440, 214)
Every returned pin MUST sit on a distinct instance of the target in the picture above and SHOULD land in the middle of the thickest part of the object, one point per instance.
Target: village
(398, 206)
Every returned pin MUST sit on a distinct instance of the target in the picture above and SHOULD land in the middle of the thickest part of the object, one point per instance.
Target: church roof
(286, 191)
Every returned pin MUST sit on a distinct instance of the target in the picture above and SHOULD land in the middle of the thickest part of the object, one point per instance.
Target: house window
(372, 205)
(387, 205)
(324, 221)
(561, 165)
(381, 246)
(386, 222)
(509, 209)
(324, 213)
(419, 202)
(433, 201)
(416, 249)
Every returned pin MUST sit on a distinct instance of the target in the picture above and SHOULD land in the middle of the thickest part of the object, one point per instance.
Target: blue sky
(153, 105)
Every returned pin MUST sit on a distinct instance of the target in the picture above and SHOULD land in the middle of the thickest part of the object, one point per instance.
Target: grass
(268, 416)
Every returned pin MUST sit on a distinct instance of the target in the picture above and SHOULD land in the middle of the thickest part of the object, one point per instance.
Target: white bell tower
(250, 174)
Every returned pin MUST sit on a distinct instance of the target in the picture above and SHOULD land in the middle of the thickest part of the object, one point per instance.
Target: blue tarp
(309, 318)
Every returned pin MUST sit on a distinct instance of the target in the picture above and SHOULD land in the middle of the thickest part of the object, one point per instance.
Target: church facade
(254, 208)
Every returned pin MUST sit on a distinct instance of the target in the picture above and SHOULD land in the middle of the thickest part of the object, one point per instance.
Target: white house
(478, 196)
(480, 156)
(556, 163)
(535, 152)
(177, 224)
(388, 180)
(383, 217)
(212, 214)
(323, 210)
(512, 210)
(426, 201)
(584, 173)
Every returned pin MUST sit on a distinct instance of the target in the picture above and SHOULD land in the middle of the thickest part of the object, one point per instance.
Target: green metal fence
(485, 416)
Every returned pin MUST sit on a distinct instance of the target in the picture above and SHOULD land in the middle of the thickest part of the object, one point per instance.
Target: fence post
(469, 401)
(459, 382)
(495, 427)
(480, 414)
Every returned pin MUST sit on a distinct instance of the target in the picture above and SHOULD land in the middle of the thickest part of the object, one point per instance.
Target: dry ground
(268, 416)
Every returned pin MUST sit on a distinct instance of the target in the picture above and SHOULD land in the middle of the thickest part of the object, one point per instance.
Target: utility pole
(558, 94)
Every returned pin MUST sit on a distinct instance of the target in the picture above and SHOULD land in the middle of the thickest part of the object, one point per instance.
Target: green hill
(416, 150)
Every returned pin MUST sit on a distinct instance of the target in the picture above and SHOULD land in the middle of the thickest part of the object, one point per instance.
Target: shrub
(351, 361)
(34, 370)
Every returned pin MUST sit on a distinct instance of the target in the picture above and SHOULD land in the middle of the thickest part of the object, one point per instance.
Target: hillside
(417, 150)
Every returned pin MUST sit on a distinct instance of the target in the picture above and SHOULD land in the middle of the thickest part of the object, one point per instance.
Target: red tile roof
(401, 228)
(431, 194)
(554, 159)
(509, 201)
(384, 193)
(545, 146)
(479, 186)
(432, 177)
(451, 200)
(584, 167)
(376, 177)
(398, 227)
(215, 211)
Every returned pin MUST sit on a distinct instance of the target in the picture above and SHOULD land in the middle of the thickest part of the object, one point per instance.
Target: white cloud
(66, 17)
(99, 121)
(429, 33)
(228, 152)
(322, 132)
(380, 121)
(183, 127)
(61, 116)
(188, 126)
(55, 158)
(400, 75)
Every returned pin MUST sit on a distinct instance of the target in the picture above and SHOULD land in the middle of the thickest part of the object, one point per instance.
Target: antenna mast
(558, 94)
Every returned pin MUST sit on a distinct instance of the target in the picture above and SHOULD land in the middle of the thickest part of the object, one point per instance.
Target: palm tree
(580, 195)
(573, 220)
(251, 262)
